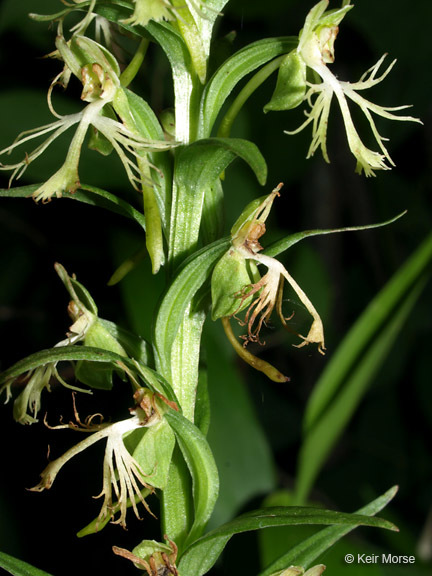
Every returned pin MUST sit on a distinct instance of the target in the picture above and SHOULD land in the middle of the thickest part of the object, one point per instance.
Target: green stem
(134, 65)
(254, 83)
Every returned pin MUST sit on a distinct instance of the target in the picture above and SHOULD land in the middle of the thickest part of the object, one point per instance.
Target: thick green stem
(176, 503)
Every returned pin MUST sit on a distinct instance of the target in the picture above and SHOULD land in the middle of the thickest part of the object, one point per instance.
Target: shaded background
(388, 440)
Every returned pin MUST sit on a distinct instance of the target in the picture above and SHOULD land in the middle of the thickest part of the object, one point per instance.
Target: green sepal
(334, 17)
(230, 276)
(152, 448)
(247, 215)
(98, 375)
(150, 548)
(87, 51)
(134, 346)
(291, 84)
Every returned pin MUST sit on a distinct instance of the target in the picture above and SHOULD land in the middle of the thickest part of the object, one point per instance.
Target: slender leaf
(355, 364)
(18, 567)
(288, 241)
(202, 467)
(233, 70)
(88, 195)
(200, 556)
(77, 353)
(185, 285)
(361, 334)
(305, 553)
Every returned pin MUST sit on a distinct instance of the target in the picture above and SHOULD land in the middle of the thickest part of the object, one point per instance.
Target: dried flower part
(155, 557)
(268, 290)
(86, 328)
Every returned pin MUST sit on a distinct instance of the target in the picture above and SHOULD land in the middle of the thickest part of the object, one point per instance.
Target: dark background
(388, 440)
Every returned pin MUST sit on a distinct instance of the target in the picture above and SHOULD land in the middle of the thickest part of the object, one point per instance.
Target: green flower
(86, 328)
(157, 10)
(146, 10)
(264, 295)
(99, 73)
(316, 49)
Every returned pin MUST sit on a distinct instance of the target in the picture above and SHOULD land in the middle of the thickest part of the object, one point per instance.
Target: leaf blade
(307, 551)
(203, 553)
(202, 467)
(87, 194)
(19, 567)
(233, 70)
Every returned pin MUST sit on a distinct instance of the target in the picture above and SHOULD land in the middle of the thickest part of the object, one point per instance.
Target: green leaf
(305, 553)
(200, 556)
(281, 245)
(75, 353)
(174, 47)
(60, 354)
(197, 168)
(177, 298)
(202, 467)
(355, 364)
(202, 403)
(88, 195)
(18, 567)
(233, 70)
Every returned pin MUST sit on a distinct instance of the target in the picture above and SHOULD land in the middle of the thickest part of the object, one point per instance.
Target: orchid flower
(316, 50)
(122, 475)
(267, 291)
(101, 88)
